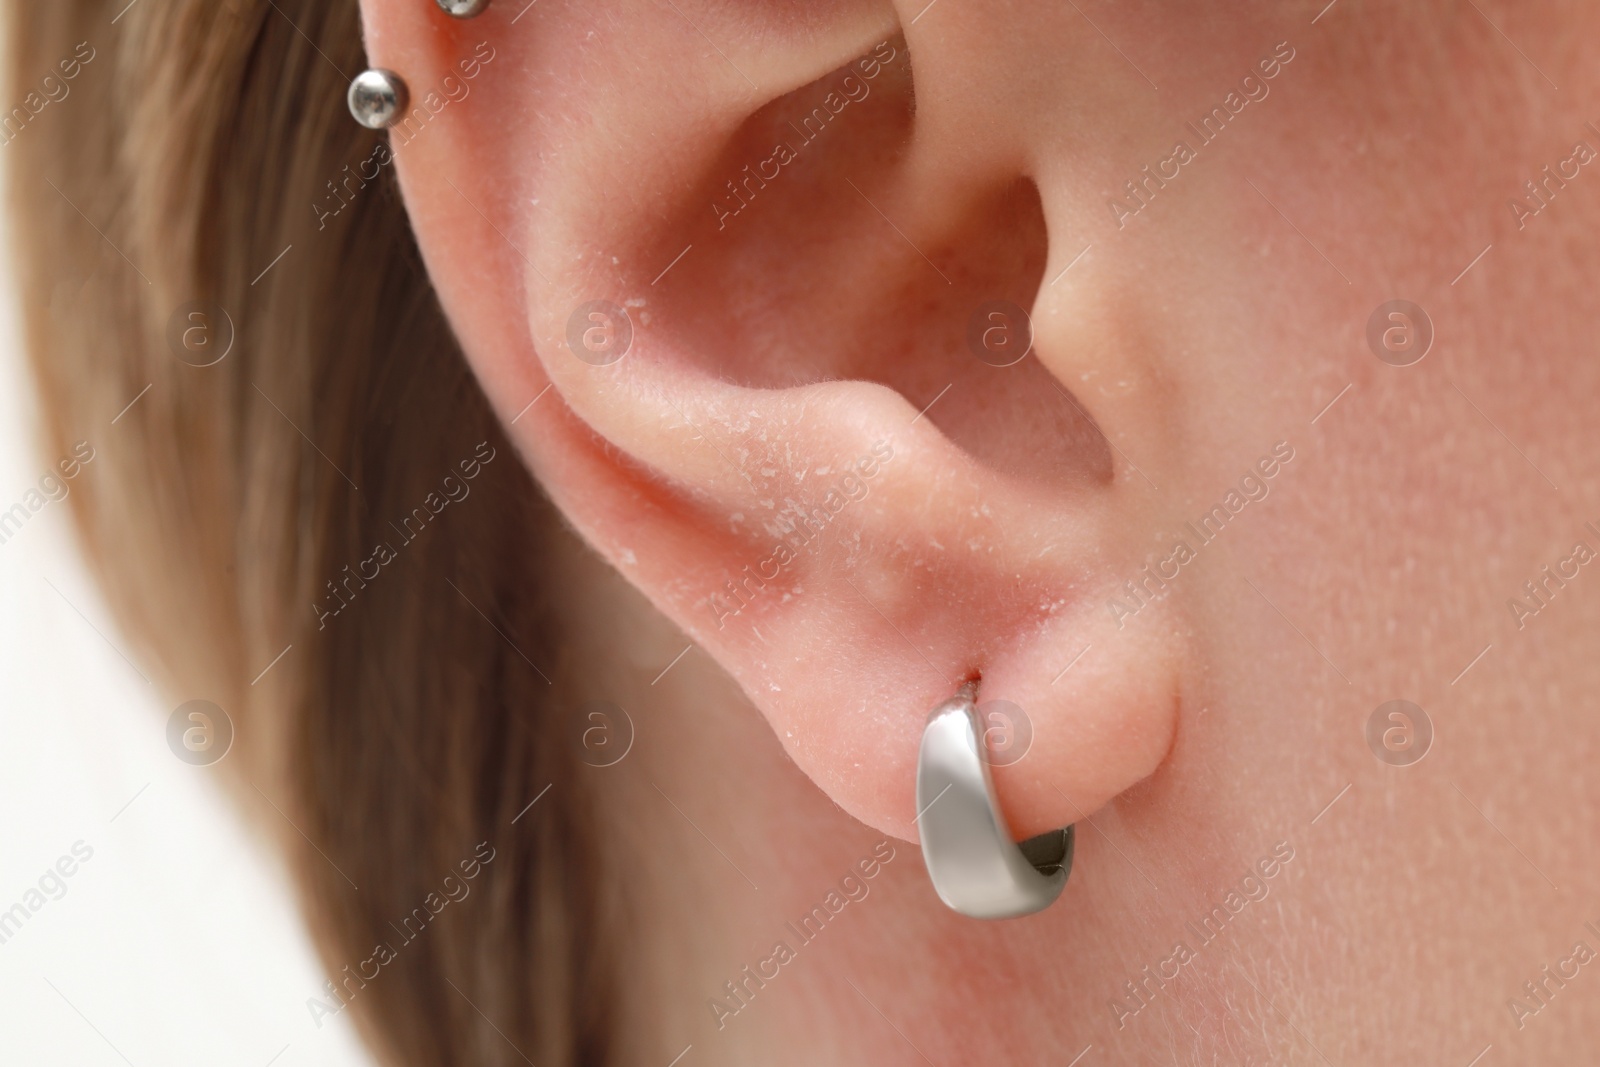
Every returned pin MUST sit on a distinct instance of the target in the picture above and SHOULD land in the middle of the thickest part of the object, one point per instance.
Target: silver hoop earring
(377, 98)
(975, 866)
(463, 9)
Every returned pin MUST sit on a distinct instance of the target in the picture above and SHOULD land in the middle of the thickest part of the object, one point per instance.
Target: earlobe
(781, 434)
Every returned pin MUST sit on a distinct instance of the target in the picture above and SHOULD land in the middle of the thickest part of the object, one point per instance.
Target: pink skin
(1194, 337)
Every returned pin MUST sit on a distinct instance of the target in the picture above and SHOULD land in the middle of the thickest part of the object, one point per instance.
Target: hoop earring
(377, 97)
(975, 866)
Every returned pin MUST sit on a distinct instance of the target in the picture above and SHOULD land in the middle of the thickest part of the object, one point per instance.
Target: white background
(178, 942)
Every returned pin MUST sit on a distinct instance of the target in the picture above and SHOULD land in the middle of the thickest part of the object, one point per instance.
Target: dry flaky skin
(1251, 884)
(189, 153)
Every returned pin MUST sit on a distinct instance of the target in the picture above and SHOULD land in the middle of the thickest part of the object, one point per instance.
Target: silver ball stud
(377, 98)
(463, 9)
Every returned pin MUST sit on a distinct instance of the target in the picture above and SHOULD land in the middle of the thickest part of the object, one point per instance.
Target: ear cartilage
(975, 866)
(463, 9)
(377, 98)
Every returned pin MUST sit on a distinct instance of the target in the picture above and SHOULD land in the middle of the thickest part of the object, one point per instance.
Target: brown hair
(169, 188)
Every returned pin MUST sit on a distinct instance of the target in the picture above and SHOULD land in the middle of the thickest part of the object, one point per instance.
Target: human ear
(791, 395)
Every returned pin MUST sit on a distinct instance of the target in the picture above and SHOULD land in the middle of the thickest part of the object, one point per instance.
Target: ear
(760, 269)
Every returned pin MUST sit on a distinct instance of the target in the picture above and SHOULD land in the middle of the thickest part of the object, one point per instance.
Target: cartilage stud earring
(377, 98)
(463, 9)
